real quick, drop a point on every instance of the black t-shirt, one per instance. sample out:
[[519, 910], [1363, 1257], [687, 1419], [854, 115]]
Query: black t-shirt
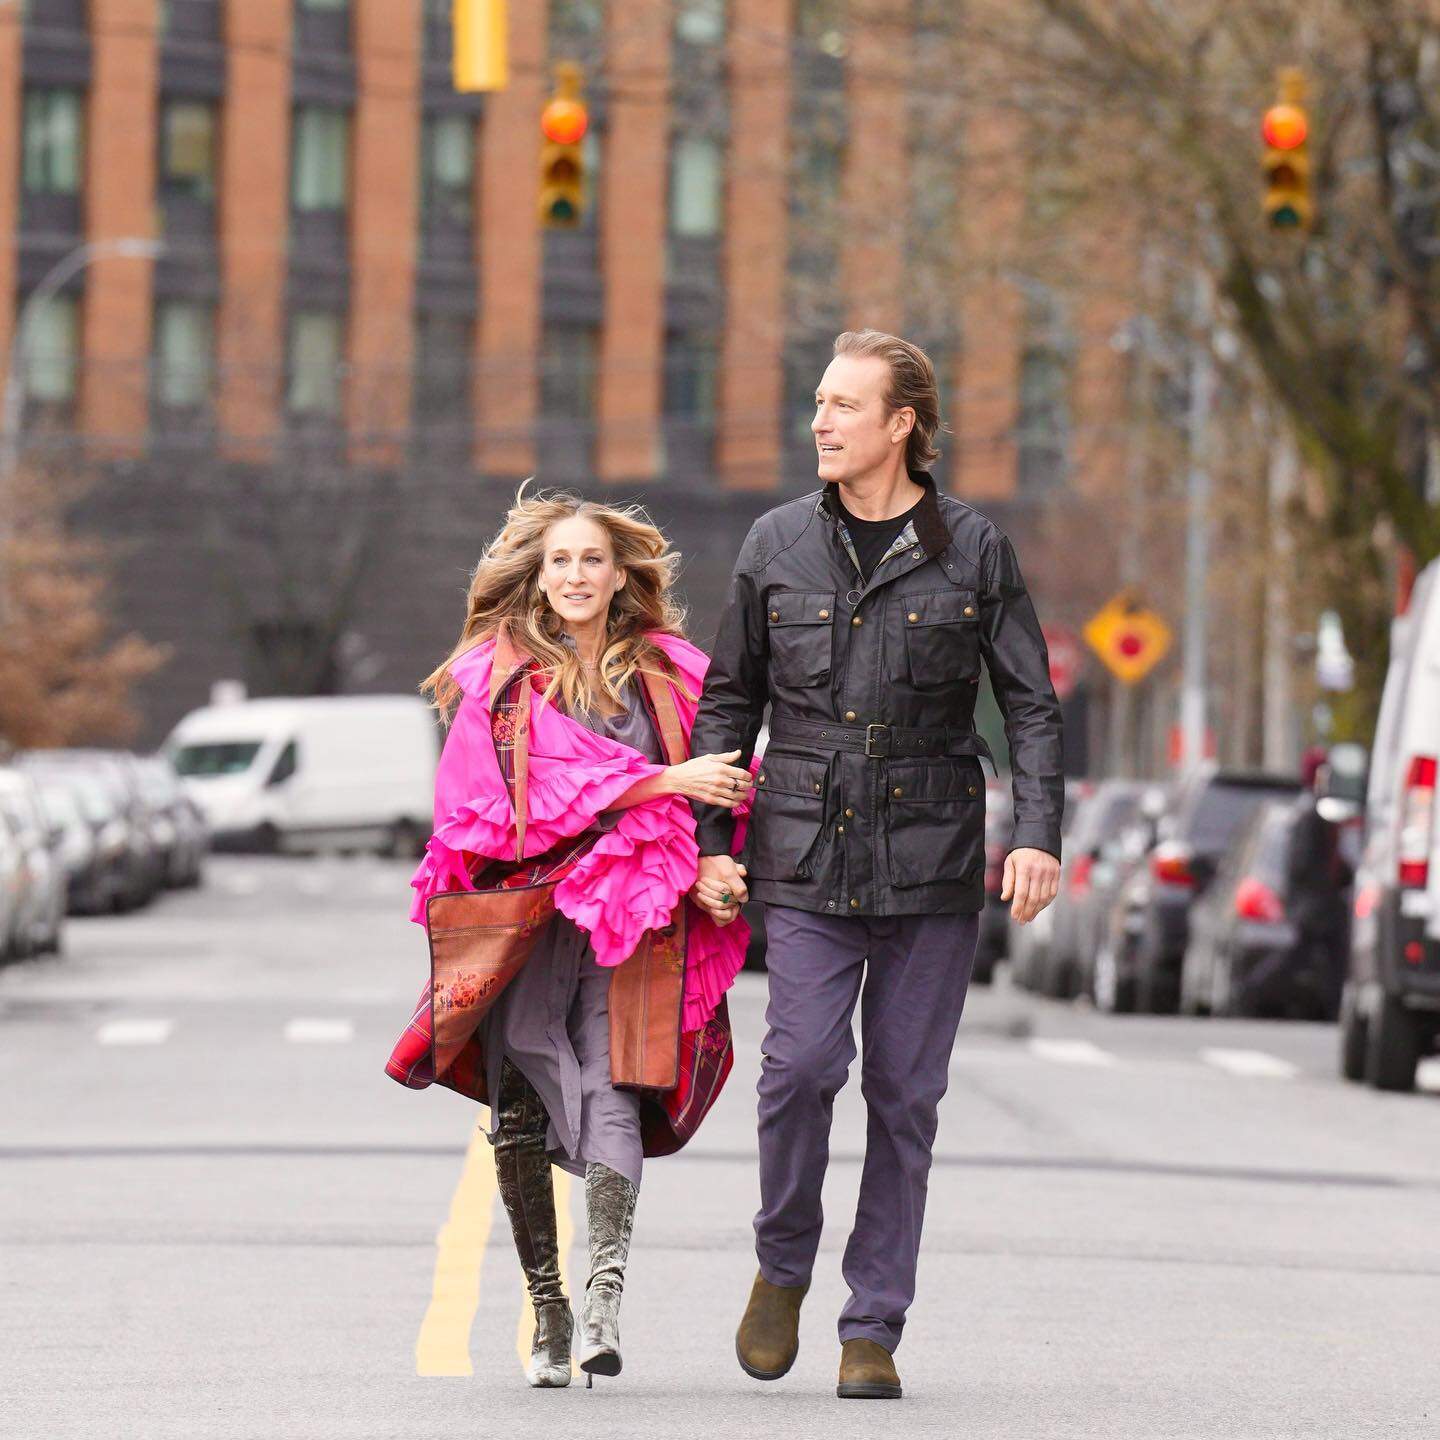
[[872, 538]]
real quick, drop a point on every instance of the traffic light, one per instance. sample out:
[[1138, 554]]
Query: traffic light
[[480, 29], [1285, 129], [563, 124]]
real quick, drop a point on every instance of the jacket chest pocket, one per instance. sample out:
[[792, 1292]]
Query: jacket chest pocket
[[942, 637], [788, 813], [935, 813], [801, 625]]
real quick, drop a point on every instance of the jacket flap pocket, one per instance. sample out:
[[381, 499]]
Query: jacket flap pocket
[[929, 782], [791, 775], [800, 607], [940, 607]]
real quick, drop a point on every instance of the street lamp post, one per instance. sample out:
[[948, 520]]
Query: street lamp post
[[12, 406]]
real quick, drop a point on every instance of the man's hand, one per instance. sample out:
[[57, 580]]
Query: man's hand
[[1032, 878], [719, 887]]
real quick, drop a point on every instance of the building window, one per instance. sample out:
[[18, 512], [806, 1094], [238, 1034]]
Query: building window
[[51, 347], [317, 340], [184, 355], [577, 19], [320, 169], [697, 180], [442, 406], [325, 5], [690, 377], [567, 380], [187, 149], [701, 22], [447, 171], [54, 142], [1043, 438]]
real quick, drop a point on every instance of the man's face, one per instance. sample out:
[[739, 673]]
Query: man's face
[[855, 434]]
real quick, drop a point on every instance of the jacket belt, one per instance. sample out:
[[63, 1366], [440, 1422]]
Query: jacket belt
[[879, 742]]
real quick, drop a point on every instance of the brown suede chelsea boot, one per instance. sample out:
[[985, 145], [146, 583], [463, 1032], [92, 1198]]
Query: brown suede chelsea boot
[[769, 1335], [867, 1372]]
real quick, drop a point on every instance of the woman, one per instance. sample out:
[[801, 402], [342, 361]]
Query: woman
[[571, 674]]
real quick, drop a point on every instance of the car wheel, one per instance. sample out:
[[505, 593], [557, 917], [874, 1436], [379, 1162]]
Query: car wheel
[[1352, 1036], [1392, 1052]]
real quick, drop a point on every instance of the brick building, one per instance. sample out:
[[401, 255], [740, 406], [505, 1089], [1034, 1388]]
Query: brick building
[[304, 406]]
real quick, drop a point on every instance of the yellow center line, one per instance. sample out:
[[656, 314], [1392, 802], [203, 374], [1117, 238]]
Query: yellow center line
[[565, 1233], [443, 1346]]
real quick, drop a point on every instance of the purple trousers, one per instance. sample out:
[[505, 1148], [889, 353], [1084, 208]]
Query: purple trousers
[[910, 974]]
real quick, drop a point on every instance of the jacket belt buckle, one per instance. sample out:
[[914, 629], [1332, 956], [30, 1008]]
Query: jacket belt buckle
[[870, 737]]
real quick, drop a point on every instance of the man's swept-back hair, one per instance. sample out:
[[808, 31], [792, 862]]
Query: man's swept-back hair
[[912, 383]]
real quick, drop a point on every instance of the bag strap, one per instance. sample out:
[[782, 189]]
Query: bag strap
[[667, 716]]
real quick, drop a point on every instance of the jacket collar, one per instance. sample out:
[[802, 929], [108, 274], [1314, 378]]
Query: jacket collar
[[931, 531]]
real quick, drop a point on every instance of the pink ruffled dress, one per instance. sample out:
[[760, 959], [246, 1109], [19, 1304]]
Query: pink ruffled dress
[[553, 1020]]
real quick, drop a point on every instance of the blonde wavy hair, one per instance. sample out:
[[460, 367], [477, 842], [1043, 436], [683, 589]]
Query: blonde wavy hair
[[505, 594]]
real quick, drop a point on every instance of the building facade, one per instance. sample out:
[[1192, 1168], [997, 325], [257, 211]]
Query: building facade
[[283, 295]]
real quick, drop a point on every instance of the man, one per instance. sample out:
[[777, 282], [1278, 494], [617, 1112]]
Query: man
[[861, 614]]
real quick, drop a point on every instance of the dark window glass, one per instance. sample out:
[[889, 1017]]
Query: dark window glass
[[284, 765], [320, 160], [442, 383], [54, 141], [567, 381], [447, 170], [184, 355], [188, 149], [1221, 810], [229, 758], [690, 376], [317, 339]]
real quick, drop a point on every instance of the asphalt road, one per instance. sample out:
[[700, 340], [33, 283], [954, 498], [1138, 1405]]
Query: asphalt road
[[219, 1218]]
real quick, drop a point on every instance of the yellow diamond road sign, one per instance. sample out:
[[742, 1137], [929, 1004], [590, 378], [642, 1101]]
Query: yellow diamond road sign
[[1130, 639]]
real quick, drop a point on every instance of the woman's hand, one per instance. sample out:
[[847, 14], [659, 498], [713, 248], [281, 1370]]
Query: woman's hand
[[713, 779], [719, 888]]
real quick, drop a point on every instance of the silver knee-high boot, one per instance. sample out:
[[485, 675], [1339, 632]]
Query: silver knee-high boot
[[610, 1214], [522, 1173]]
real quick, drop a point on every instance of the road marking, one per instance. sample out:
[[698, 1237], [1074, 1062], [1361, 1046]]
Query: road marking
[[1071, 1052], [319, 1032], [565, 1233], [135, 1032], [1255, 1064], [443, 1345]]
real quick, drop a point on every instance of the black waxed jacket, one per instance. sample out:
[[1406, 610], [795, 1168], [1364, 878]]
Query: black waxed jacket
[[845, 833]]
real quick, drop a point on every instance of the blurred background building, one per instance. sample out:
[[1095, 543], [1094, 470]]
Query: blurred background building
[[303, 407]]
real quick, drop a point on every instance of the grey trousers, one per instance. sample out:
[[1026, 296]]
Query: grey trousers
[[910, 974]]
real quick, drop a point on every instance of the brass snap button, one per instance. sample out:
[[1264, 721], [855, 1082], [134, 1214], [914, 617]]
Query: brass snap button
[[818, 787], [849, 813], [824, 614], [854, 904], [974, 790], [969, 609], [857, 621], [760, 778], [839, 829], [774, 614], [912, 617], [849, 714], [897, 792]]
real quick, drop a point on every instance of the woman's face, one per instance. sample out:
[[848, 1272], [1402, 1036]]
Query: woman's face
[[578, 572]]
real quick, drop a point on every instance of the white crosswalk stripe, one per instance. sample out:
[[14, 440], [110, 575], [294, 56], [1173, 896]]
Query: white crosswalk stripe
[[134, 1032], [1252, 1063], [1071, 1052], [320, 1032]]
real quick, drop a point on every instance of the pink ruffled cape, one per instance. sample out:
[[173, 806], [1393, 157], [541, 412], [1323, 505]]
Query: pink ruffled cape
[[632, 877]]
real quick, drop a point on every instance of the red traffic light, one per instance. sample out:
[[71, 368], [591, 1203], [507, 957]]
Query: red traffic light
[[1285, 127], [564, 122]]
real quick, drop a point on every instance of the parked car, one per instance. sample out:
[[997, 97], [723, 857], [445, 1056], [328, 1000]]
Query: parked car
[[1390, 1005], [1270, 935], [1209, 809], [40, 910], [95, 845], [178, 827], [1099, 817], [111, 781], [345, 771], [1115, 924], [1028, 945], [12, 886], [993, 943]]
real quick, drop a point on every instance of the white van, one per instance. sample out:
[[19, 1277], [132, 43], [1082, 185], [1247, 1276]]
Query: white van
[[344, 772], [1390, 1009]]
